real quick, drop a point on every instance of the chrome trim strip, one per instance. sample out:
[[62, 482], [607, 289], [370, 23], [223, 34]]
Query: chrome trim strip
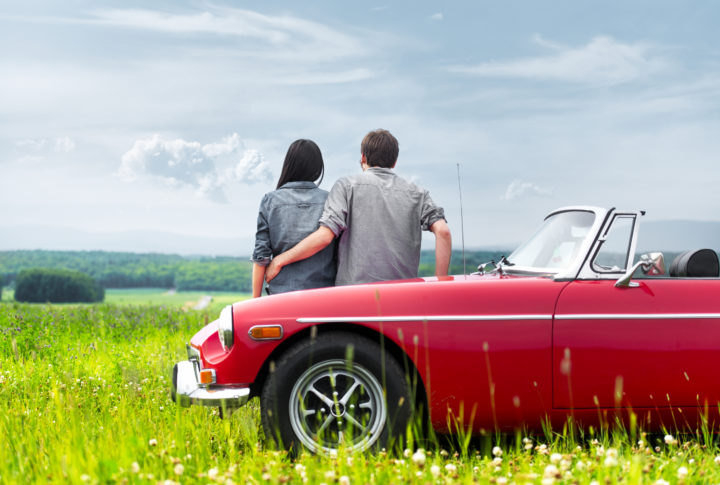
[[415, 318], [635, 316]]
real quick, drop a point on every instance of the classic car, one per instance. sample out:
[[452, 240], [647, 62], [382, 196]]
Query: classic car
[[570, 325]]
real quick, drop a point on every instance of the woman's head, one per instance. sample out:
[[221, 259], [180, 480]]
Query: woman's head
[[303, 162]]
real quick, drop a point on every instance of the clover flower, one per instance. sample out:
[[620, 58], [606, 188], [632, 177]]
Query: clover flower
[[419, 457]]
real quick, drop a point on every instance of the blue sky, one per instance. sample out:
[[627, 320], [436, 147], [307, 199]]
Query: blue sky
[[175, 116]]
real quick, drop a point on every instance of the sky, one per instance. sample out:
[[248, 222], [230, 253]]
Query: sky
[[174, 116]]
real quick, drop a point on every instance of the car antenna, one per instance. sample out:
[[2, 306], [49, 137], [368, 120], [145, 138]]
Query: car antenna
[[462, 226]]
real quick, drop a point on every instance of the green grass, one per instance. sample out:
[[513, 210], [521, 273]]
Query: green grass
[[161, 297], [84, 398], [164, 297], [8, 294]]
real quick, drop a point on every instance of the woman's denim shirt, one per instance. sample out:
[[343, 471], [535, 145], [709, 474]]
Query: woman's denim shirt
[[286, 216]]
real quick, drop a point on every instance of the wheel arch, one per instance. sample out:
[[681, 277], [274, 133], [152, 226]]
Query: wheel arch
[[417, 386]]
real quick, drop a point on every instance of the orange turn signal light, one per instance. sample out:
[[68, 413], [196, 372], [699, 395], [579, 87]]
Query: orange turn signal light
[[207, 376], [266, 332]]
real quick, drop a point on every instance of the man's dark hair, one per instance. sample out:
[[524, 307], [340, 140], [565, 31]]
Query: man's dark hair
[[380, 149], [303, 163]]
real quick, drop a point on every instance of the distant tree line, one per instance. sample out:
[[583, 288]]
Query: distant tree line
[[133, 270], [57, 286]]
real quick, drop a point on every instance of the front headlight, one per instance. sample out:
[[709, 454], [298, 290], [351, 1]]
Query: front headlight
[[225, 327]]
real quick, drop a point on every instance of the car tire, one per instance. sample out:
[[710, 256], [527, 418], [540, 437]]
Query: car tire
[[335, 390]]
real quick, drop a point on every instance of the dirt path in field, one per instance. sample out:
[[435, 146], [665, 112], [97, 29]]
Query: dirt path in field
[[203, 302]]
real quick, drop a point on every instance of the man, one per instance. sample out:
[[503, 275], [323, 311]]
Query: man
[[378, 217]]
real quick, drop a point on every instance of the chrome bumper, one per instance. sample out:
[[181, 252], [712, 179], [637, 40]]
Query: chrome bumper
[[186, 389]]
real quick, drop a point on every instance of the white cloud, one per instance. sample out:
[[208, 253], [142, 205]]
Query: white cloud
[[64, 144], [437, 16], [31, 144], [61, 144], [282, 33], [351, 75], [602, 61], [205, 168], [252, 168], [519, 188]]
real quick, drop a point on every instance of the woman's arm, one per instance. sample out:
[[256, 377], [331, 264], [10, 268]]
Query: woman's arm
[[258, 278]]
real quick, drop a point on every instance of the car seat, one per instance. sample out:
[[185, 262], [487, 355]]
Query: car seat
[[696, 263]]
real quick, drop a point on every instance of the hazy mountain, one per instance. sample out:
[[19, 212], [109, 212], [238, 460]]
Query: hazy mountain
[[69, 239], [677, 235]]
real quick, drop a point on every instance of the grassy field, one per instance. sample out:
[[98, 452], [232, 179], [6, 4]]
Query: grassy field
[[170, 298], [84, 399]]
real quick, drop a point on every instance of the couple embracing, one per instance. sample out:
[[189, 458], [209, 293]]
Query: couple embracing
[[368, 228]]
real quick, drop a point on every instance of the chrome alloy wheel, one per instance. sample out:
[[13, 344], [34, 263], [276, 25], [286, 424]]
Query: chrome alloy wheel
[[337, 403]]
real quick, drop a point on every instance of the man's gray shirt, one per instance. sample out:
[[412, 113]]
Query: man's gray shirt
[[379, 217]]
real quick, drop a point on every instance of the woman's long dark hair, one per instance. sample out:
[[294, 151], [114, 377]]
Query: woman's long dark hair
[[303, 162]]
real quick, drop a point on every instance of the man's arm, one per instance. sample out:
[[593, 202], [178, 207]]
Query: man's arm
[[313, 243], [443, 246], [258, 276]]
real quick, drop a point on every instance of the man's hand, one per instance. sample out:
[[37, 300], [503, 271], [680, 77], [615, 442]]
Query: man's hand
[[313, 243], [272, 269]]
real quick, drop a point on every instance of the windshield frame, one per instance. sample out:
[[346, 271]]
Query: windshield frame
[[571, 270]]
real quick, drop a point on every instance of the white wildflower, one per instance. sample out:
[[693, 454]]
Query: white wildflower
[[435, 470], [497, 461], [419, 457], [135, 467], [670, 440], [551, 471], [497, 451], [555, 458], [450, 468], [152, 442], [344, 480], [610, 461], [682, 473], [179, 469]]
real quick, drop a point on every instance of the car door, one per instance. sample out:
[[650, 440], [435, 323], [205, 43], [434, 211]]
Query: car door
[[652, 344]]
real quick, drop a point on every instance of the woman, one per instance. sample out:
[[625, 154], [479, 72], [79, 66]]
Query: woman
[[287, 215]]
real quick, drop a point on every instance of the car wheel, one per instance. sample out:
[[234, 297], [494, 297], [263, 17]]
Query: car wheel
[[338, 390]]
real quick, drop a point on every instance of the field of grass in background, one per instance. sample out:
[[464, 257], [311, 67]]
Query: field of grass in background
[[84, 398], [171, 298]]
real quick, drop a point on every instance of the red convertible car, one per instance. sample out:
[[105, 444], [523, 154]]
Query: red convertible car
[[571, 324]]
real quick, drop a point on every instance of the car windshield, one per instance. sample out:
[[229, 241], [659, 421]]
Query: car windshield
[[556, 245]]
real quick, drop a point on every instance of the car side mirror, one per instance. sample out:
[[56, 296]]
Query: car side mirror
[[650, 264], [486, 268]]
